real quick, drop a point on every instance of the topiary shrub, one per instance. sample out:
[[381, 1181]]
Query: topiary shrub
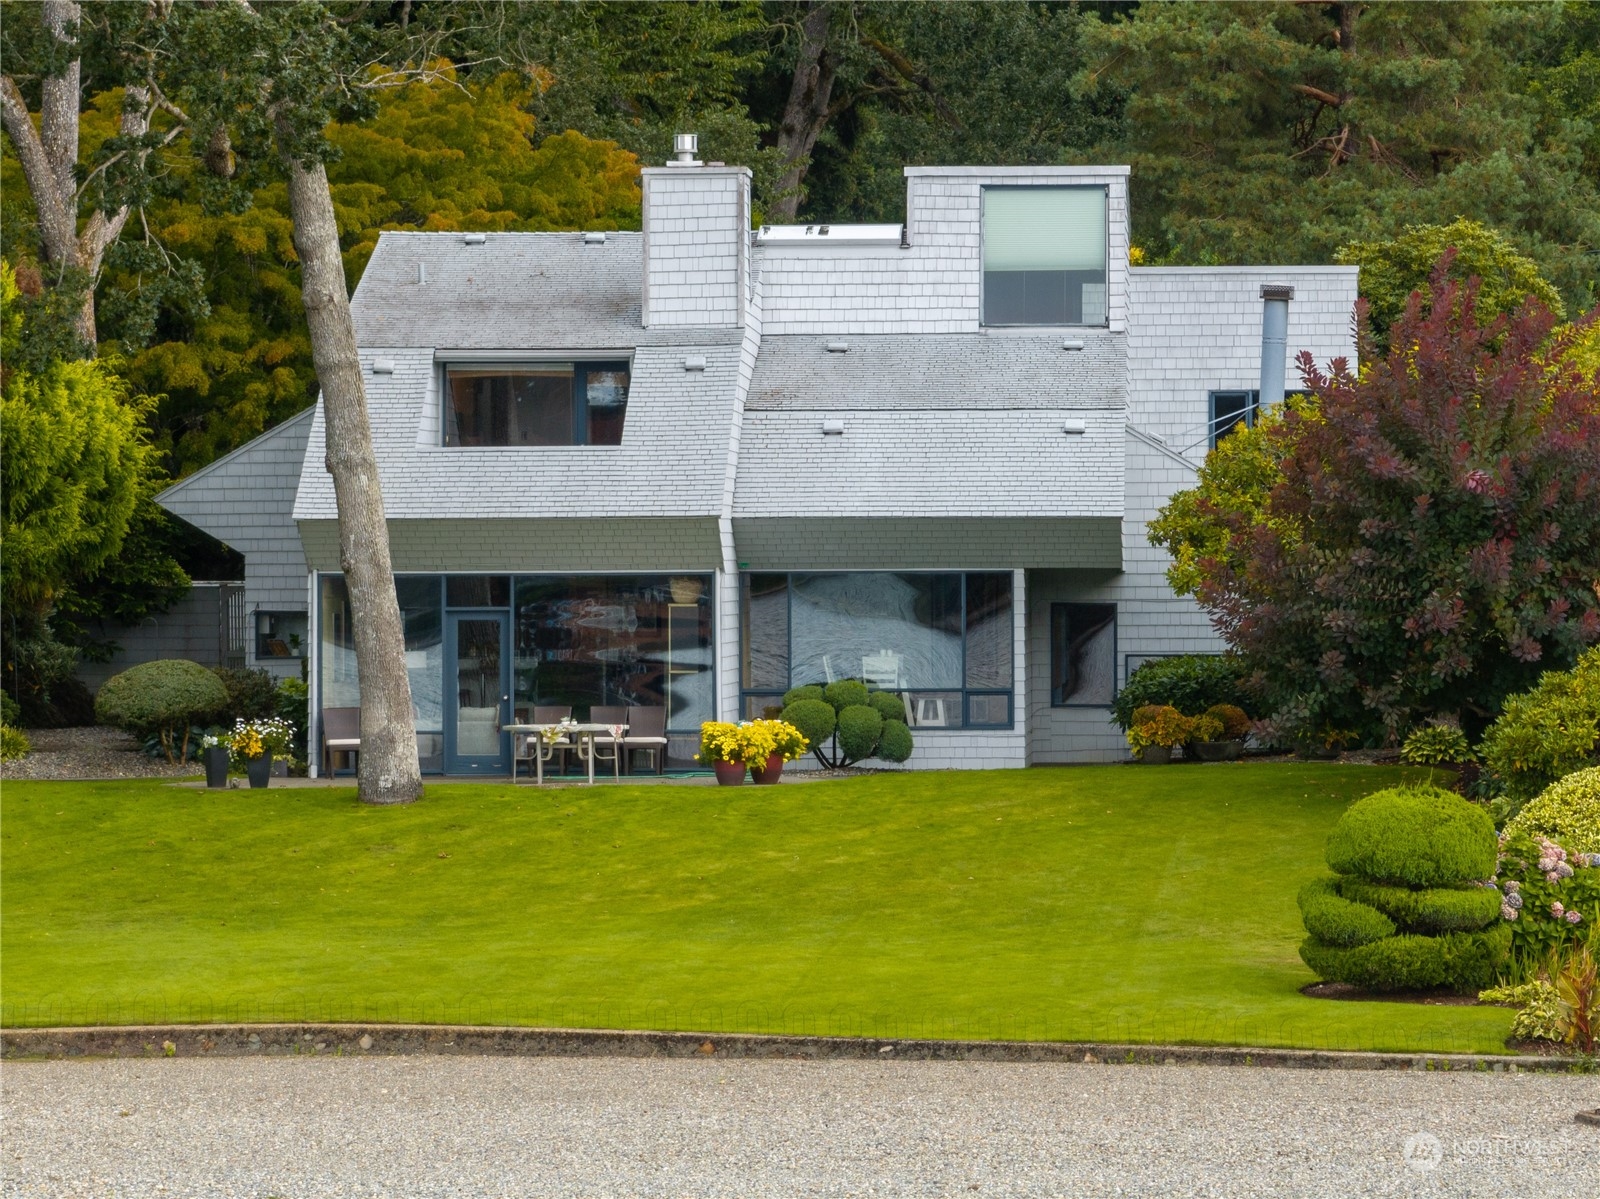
[[1547, 733], [162, 699], [1567, 811], [1191, 683], [14, 744], [1408, 860], [1416, 836], [846, 723]]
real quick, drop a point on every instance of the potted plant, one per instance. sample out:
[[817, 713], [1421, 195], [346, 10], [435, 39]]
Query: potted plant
[[780, 741], [1235, 728], [1155, 730], [216, 756], [256, 741], [1208, 740], [722, 748]]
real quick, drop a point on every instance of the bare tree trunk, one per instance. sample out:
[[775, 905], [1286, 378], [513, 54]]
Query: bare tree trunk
[[806, 112], [390, 772]]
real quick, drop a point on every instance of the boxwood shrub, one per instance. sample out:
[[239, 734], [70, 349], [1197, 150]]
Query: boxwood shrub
[[1464, 962], [1419, 836], [164, 699], [1429, 910], [846, 722], [1334, 920]]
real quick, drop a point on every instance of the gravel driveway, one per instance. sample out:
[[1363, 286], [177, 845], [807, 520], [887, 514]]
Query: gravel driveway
[[460, 1126]]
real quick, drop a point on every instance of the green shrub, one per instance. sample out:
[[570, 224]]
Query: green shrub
[[1191, 684], [164, 698], [895, 744], [888, 705], [1436, 744], [859, 730], [1420, 836], [1549, 732], [795, 694], [293, 703], [1464, 962], [1568, 811], [846, 693], [1431, 910], [1335, 920], [252, 694], [1542, 887], [10, 710], [815, 718], [1539, 1014], [14, 744]]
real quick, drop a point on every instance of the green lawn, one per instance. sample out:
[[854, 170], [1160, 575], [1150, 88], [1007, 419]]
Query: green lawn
[[1120, 903]]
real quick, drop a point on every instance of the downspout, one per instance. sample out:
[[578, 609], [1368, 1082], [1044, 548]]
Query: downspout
[[1274, 342]]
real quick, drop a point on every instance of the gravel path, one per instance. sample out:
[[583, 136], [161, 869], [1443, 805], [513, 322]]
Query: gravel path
[[460, 1126], [91, 753]]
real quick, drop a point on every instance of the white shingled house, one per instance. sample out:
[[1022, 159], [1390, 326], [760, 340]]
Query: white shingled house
[[691, 467]]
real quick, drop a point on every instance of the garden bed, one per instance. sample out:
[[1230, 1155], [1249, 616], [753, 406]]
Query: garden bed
[[90, 752]]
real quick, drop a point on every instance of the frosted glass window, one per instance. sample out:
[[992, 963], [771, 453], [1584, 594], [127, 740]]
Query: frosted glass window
[[1044, 256]]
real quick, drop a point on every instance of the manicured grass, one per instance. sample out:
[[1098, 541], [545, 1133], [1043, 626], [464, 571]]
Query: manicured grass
[[1128, 903]]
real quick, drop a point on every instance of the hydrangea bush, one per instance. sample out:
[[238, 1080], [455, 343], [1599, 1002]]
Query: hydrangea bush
[[1549, 896]]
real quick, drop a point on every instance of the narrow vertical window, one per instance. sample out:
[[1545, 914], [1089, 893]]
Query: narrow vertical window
[[1083, 655]]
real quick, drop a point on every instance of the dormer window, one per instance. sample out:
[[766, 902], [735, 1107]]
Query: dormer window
[[1044, 256], [535, 404]]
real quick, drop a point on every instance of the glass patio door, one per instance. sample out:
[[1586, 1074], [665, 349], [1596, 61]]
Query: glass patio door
[[478, 693]]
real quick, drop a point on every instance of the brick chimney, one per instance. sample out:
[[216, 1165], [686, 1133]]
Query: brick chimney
[[696, 241]]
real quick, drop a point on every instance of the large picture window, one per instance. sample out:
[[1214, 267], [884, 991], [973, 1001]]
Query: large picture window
[[536, 404], [1083, 655], [1044, 256], [942, 641]]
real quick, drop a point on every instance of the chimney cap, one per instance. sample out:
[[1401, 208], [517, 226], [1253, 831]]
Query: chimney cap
[[1277, 291], [684, 148]]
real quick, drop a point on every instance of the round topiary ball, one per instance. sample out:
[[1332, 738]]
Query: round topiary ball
[[813, 717], [894, 745], [888, 705], [1567, 811], [846, 693], [859, 730], [795, 694], [1419, 836], [170, 693]]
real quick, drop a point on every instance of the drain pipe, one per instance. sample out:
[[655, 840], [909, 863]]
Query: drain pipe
[[1274, 342]]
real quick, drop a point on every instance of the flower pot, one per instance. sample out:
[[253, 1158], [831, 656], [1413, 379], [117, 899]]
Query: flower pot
[[216, 758], [259, 770], [1214, 751], [729, 774], [769, 774], [1156, 755]]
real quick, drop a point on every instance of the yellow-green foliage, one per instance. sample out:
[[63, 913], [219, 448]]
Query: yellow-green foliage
[[14, 743], [1548, 732], [74, 460], [1567, 811]]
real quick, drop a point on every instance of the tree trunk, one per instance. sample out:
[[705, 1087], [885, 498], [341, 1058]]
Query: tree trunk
[[389, 771], [806, 112]]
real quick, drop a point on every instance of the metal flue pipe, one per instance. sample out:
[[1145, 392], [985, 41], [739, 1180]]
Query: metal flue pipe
[[1274, 341]]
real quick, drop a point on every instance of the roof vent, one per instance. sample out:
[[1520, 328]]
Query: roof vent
[[695, 362], [1072, 343], [594, 239], [474, 239], [684, 148], [383, 366], [1277, 291], [832, 426], [838, 347], [422, 272], [1076, 427]]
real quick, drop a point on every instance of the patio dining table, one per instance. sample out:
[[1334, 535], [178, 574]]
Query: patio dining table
[[584, 739]]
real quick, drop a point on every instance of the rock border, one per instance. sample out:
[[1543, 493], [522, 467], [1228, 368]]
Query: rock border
[[389, 1040]]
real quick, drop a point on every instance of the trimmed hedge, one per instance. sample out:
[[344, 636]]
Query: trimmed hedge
[[888, 705], [1420, 836], [1567, 811], [814, 717], [1434, 910], [859, 730], [795, 694], [845, 722], [162, 699], [1336, 921], [1464, 962], [846, 693], [895, 744], [1191, 683]]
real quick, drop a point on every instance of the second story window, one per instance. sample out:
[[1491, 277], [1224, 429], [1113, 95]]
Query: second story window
[[536, 404], [1044, 256]]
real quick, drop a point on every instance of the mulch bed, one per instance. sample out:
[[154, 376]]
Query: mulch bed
[[1439, 998], [90, 753]]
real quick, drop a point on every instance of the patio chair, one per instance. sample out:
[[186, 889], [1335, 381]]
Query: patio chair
[[341, 734], [611, 714], [647, 732], [881, 670], [524, 748]]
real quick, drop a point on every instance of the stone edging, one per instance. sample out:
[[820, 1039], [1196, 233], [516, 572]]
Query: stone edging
[[277, 1040]]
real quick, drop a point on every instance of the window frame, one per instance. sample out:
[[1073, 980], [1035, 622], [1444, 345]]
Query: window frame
[[1116, 614], [582, 364], [1252, 409], [261, 638], [983, 290]]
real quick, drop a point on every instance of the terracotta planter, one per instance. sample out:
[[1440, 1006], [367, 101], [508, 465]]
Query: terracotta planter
[[1156, 755], [769, 774], [729, 774], [1214, 751], [259, 770], [216, 758]]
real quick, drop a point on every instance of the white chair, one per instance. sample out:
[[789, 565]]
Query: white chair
[[927, 711], [882, 670], [478, 732]]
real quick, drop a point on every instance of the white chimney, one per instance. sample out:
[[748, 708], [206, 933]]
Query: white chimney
[[696, 241]]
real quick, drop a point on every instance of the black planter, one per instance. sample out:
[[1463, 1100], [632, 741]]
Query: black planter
[[216, 757], [259, 770]]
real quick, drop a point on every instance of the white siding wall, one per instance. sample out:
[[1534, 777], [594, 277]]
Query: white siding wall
[[696, 245]]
